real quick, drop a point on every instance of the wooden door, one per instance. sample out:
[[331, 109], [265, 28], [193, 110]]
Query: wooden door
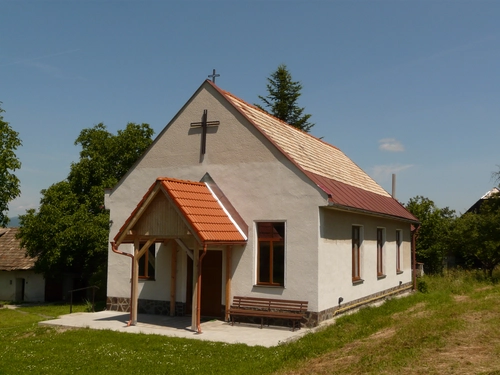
[[211, 285]]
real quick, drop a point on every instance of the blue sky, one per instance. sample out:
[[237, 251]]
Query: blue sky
[[406, 87]]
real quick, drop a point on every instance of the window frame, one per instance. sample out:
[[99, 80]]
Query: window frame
[[356, 241], [146, 266], [272, 241], [399, 242], [380, 252]]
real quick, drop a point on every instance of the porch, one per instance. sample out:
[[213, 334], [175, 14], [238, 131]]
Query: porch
[[213, 330]]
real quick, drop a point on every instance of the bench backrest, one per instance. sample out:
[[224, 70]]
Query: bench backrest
[[269, 304]]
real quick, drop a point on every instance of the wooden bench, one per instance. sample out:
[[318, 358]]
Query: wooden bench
[[268, 308]]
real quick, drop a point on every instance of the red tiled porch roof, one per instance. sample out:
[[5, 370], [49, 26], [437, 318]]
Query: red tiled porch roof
[[203, 213]]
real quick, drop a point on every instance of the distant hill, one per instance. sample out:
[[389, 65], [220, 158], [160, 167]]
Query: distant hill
[[14, 222]]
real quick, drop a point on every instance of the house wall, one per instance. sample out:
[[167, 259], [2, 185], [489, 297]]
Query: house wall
[[258, 180], [335, 256], [34, 287]]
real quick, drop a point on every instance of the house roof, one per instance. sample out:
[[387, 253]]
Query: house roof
[[12, 256], [346, 184], [489, 194], [203, 213]]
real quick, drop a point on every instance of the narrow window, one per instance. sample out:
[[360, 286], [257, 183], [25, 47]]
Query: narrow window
[[147, 263], [356, 243], [271, 254], [380, 252], [398, 251]]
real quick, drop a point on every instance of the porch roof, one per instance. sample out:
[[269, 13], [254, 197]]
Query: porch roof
[[193, 208]]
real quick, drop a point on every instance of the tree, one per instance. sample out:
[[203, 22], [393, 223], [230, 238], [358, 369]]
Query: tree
[[69, 232], [282, 99], [476, 236], [9, 183], [432, 244]]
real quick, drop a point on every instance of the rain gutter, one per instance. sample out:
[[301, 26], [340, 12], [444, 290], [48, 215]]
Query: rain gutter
[[115, 250]]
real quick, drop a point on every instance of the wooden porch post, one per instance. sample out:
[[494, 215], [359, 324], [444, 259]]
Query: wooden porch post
[[194, 308], [229, 250], [135, 283], [173, 278]]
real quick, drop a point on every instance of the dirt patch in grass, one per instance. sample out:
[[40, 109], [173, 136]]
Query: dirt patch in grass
[[460, 298], [416, 311], [469, 348], [488, 287], [473, 350]]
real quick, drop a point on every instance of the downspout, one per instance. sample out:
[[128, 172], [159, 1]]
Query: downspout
[[115, 250], [198, 293], [414, 254]]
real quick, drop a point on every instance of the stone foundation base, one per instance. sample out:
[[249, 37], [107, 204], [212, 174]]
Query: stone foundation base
[[312, 319], [118, 304], [145, 306]]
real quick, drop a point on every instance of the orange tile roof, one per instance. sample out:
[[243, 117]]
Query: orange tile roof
[[204, 213], [12, 256]]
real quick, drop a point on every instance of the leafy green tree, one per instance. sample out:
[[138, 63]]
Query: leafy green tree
[[476, 236], [69, 232], [9, 183], [432, 246], [282, 97]]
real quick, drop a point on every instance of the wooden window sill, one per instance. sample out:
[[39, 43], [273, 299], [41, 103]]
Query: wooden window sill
[[269, 286]]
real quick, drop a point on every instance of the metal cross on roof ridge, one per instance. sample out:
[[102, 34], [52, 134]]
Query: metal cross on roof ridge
[[204, 124], [213, 75]]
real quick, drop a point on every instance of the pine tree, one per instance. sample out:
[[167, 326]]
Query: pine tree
[[282, 99]]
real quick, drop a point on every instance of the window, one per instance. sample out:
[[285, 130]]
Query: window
[[380, 252], [147, 263], [271, 254], [398, 251], [356, 253]]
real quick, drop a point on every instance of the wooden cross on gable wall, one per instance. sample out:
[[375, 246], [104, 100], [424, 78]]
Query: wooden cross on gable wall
[[204, 124]]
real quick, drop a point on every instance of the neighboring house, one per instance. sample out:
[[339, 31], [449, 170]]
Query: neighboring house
[[475, 207], [266, 209], [18, 280]]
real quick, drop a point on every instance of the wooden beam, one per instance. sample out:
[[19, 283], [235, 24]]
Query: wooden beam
[[143, 249], [194, 308], [138, 214], [173, 278], [229, 250], [184, 247]]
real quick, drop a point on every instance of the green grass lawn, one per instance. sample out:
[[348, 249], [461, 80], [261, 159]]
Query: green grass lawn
[[392, 338]]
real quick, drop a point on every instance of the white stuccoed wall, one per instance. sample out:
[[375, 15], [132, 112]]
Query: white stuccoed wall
[[335, 256], [258, 180], [34, 290]]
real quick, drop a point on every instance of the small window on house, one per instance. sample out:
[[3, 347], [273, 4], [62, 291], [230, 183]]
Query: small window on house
[[380, 252], [398, 251], [147, 263], [356, 253], [271, 254]]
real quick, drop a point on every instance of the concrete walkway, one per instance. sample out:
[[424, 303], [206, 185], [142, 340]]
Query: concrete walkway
[[214, 330]]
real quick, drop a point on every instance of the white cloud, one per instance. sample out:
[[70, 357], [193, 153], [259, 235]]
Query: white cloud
[[384, 172], [391, 145]]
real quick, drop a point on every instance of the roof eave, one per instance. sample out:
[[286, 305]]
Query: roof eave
[[340, 207]]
